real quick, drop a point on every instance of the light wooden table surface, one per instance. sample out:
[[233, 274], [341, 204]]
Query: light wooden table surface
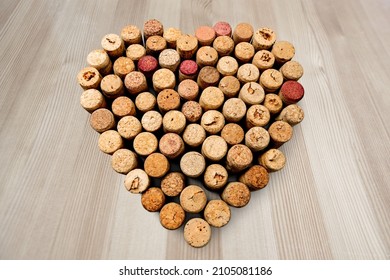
[[60, 199]]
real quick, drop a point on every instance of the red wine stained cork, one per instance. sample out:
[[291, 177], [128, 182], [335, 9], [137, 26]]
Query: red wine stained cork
[[193, 199], [214, 148], [147, 65], [153, 27], [92, 99], [135, 52], [248, 73], [168, 99], [227, 66], [292, 70], [232, 133], [252, 93], [123, 106], [208, 76], [283, 51], [280, 132], [89, 78], [244, 52], [212, 121], [145, 101], [169, 59], [230, 86], [135, 82], [273, 103], [188, 89], [192, 111], [263, 39], [163, 79], [151, 121], [156, 165], [197, 232], [153, 199], [131, 34], [123, 66], [234, 109], [145, 143], [173, 183], [137, 181], [110, 141], [272, 160], [206, 56], [171, 145], [215, 177], [194, 135], [255, 178], [257, 138], [217, 213], [236, 194], [174, 121], [100, 60], [188, 69], [211, 98], [172, 216], [224, 45], [292, 114], [263, 60], [238, 158], [222, 28], [123, 161], [113, 45], [257, 115], [112, 86], [155, 45], [271, 80], [186, 46], [171, 35], [102, 120], [205, 35], [291, 92], [192, 164], [242, 33], [129, 127]]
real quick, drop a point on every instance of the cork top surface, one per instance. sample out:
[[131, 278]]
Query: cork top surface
[[283, 50], [229, 85], [258, 115], [169, 57], [265, 37], [292, 91], [192, 164], [222, 28], [156, 165], [153, 27], [263, 59], [88, 76], [292, 70], [156, 43], [123, 65], [171, 34], [214, 147], [244, 51], [123, 106], [244, 31], [224, 45], [205, 34], [252, 93], [164, 78], [172, 216], [173, 183], [131, 34], [248, 73], [271, 79], [217, 213], [256, 177], [111, 42], [280, 131], [102, 120], [98, 59], [273, 159], [135, 52], [168, 99], [145, 143], [197, 232], [153, 199], [236, 194], [193, 199], [233, 133], [189, 67], [91, 99], [209, 74], [207, 55], [137, 181], [187, 42], [147, 64]]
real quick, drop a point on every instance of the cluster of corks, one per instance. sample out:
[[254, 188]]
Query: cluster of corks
[[218, 104]]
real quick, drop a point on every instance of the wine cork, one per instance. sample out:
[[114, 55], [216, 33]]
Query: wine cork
[[192, 164], [123, 161], [92, 99], [217, 213], [110, 141], [102, 120], [172, 216], [100, 60], [145, 143], [112, 86], [155, 45], [156, 165], [244, 52], [255, 177], [194, 135], [292, 70], [169, 59], [257, 138], [89, 78], [113, 45], [273, 103], [135, 82], [222, 28], [227, 66], [292, 114], [153, 199], [168, 99], [137, 181], [151, 121], [205, 35], [129, 127], [131, 34], [153, 27], [257, 115], [234, 109], [197, 232], [123, 66], [230, 86], [174, 121], [193, 199], [171, 145], [271, 80], [283, 51], [214, 148], [188, 69], [273, 160], [186, 46], [252, 93], [263, 60], [212, 121], [163, 79], [171, 35], [173, 183], [192, 111], [145, 101], [291, 92], [206, 56], [135, 52], [238, 158], [232, 133], [188, 89], [248, 73], [280, 132], [208, 76], [236, 194], [123, 106], [242, 33], [211, 98], [215, 177], [224, 45], [147, 65], [263, 38]]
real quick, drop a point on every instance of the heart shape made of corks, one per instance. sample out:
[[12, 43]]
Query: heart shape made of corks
[[214, 107]]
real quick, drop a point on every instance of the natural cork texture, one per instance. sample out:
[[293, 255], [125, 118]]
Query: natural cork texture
[[110, 141], [273, 103], [222, 28], [145, 143], [255, 178], [291, 92], [151, 121], [92, 99], [123, 106], [280, 132], [102, 120], [123, 161], [272, 160], [174, 121], [206, 56], [194, 135], [233, 133], [137, 181], [257, 138], [230, 86], [192, 164], [242, 33], [208, 76], [244, 52], [171, 145], [234, 109], [238, 158], [271, 80], [211, 98], [113, 45], [215, 177], [224, 45], [227, 66], [129, 127], [248, 73], [131, 34], [197, 232], [292, 114], [292, 70], [283, 51], [153, 199], [205, 35], [236, 194], [153, 27], [156, 165], [168, 99], [163, 79], [188, 69], [257, 115], [217, 213], [188, 89], [214, 148], [135, 52], [263, 38], [172, 216], [171, 35], [89, 78], [155, 45], [252, 93], [123, 66], [263, 60], [135, 82], [169, 59], [212, 121], [100, 60], [186, 46], [145, 101], [192, 111], [112, 86], [173, 183], [147, 65], [193, 199]]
